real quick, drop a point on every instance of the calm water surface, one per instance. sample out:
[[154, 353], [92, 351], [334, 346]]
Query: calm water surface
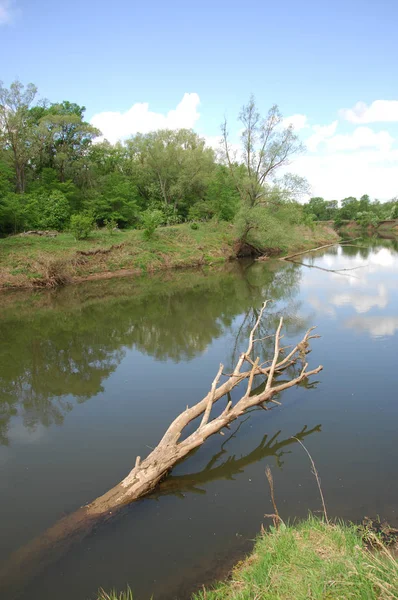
[[90, 377]]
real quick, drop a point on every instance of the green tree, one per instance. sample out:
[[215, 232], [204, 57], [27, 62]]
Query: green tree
[[174, 165], [15, 126], [266, 147], [63, 140], [349, 208]]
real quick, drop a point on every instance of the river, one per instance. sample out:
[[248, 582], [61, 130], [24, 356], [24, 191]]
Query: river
[[91, 375]]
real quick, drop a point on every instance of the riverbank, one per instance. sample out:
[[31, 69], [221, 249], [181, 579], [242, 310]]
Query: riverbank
[[37, 262], [310, 559]]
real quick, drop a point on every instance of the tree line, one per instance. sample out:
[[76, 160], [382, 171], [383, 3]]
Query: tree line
[[363, 210], [55, 171]]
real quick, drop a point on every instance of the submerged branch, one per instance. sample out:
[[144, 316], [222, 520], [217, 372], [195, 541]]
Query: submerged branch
[[172, 448]]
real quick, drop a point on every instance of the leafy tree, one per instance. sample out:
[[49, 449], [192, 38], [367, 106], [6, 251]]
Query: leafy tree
[[266, 147], [175, 164], [15, 130], [81, 226], [349, 208], [222, 197]]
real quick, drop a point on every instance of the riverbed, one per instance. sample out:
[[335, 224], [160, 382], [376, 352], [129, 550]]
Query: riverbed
[[91, 375]]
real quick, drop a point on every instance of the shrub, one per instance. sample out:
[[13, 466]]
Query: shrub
[[194, 226], [366, 219], [111, 225], [150, 220], [53, 210], [81, 226]]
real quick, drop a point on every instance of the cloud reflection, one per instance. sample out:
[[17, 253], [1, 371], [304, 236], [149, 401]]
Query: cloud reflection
[[376, 326]]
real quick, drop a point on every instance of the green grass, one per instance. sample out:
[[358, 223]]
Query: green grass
[[36, 261], [127, 595], [311, 560], [308, 560]]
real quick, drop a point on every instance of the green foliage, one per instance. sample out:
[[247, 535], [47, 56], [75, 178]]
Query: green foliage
[[111, 225], [201, 211], [323, 210], [52, 210], [81, 226], [364, 211], [16, 213], [394, 211], [222, 197], [48, 158], [194, 226], [150, 220], [367, 219], [311, 560]]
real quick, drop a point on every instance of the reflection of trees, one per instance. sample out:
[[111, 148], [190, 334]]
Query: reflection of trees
[[231, 465], [69, 342], [363, 247], [279, 282]]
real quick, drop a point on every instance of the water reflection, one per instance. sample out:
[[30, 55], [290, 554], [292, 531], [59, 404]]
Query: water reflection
[[361, 278], [59, 348], [179, 485]]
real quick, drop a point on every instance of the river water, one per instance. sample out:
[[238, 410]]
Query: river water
[[91, 375]]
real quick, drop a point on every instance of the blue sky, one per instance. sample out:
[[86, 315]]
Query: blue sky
[[313, 59]]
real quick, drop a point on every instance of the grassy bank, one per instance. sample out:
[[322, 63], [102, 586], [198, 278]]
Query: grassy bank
[[311, 560], [30, 261], [308, 560]]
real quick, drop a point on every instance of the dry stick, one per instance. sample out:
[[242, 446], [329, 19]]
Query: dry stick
[[315, 472], [206, 414], [276, 517], [315, 249], [306, 251], [276, 354]]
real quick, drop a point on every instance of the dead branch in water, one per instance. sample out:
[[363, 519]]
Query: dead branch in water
[[289, 256], [147, 473]]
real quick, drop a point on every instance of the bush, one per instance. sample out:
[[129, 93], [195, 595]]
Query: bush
[[53, 210], [150, 220], [194, 226], [367, 219], [81, 226], [111, 225]]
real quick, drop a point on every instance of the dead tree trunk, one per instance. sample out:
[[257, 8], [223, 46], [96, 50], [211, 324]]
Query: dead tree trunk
[[146, 474]]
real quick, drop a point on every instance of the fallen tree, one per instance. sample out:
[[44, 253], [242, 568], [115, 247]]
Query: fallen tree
[[172, 448]]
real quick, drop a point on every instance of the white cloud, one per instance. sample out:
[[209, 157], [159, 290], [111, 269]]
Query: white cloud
[[297, 121], [380, 111], [6, 12], [321, 133], [336, 175], [361, 137], [116, 125]]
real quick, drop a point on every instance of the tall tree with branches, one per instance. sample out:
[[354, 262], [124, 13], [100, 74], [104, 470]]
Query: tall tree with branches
[[266, 148], [15, 130]]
